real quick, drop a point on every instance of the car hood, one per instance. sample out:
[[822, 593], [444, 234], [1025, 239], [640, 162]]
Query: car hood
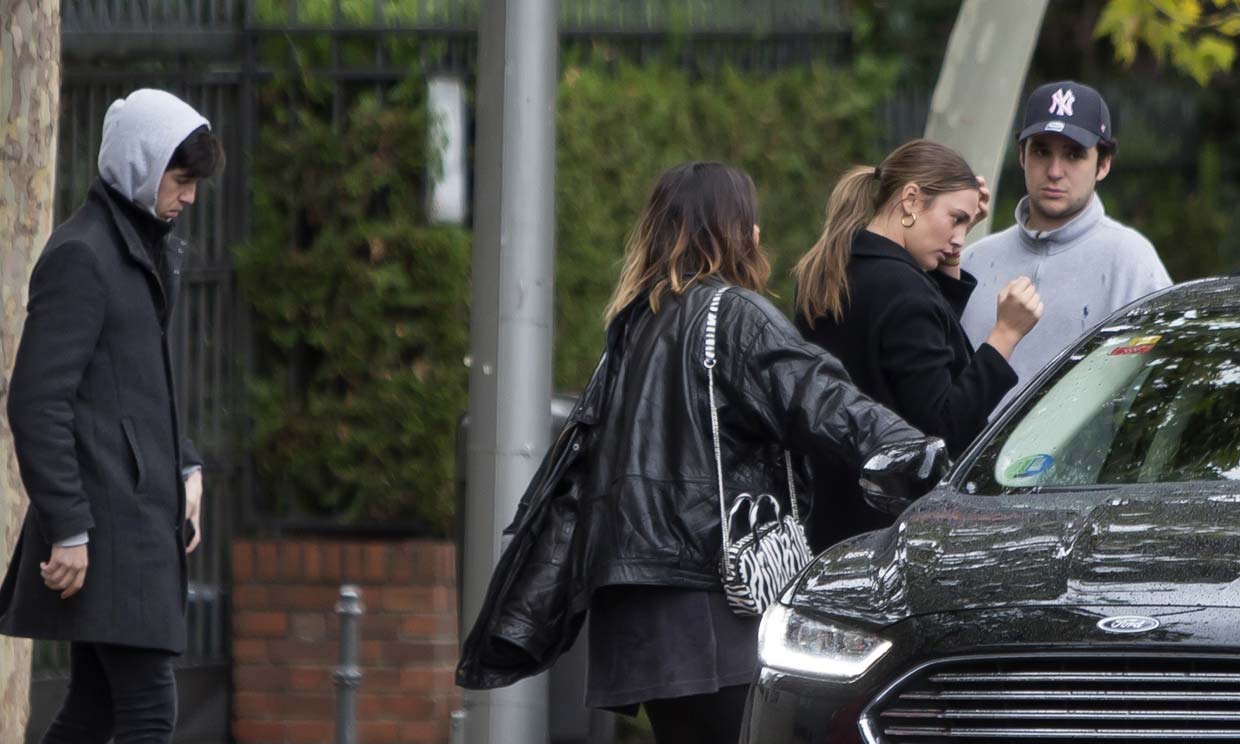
[[953, 552]]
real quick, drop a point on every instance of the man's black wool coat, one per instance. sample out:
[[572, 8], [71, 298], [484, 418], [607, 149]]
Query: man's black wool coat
[[94, 423]]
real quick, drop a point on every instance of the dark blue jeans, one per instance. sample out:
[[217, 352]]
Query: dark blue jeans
[[116, 692]]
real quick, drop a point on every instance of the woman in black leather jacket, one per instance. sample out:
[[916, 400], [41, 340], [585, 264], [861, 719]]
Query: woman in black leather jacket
[[623, 518]]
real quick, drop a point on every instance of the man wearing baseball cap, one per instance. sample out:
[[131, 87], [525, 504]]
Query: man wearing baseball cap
[[1084, 263]]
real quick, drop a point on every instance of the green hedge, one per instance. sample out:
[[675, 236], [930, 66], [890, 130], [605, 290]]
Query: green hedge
[[360, 316], [794, 131], [361, 309]]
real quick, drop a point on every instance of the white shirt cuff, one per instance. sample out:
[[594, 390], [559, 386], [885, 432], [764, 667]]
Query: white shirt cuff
[[73, 542]]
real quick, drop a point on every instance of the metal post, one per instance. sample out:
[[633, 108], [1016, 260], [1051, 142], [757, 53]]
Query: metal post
[[348, 675], [510, 327]]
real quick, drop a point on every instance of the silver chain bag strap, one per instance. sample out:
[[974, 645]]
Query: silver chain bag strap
[[757, 567]]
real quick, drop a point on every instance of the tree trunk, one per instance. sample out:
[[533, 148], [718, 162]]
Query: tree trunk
[[982, 82], [29, 104]]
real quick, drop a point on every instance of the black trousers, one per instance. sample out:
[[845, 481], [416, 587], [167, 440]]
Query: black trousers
[[116, 692], [714, 718]]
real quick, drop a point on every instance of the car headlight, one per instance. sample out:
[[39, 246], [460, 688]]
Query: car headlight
[[795, 643]]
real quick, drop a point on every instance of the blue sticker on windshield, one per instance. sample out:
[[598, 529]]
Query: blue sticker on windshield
[[1027, 467]]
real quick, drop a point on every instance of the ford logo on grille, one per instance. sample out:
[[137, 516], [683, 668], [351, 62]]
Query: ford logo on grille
[[1128, 624]]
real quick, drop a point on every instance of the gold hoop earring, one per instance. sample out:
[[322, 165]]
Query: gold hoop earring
[[908, 220]]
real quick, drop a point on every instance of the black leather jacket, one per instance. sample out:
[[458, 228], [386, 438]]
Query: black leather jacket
[[629, 493]]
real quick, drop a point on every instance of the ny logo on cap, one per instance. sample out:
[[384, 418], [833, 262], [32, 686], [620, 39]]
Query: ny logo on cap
[[1061, 103]]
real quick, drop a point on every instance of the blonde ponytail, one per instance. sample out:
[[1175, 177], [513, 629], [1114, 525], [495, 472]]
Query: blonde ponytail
[[822, 279], [822, 284]]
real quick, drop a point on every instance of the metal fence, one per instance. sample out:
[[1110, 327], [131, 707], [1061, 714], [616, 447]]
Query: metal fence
[[601, 17]]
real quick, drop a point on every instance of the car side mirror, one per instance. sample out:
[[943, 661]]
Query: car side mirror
[[900, 473]]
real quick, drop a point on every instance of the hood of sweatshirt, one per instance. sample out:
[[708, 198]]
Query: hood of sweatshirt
[[140, 133]]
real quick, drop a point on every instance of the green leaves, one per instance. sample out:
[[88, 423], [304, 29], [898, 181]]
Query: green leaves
[[360, 313], [620, 125], [1197, 37]]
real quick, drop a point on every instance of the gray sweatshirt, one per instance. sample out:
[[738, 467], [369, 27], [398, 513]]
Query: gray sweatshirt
[[1084, 271]]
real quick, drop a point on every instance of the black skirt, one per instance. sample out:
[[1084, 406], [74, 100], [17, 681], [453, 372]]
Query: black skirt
[[655, 642]]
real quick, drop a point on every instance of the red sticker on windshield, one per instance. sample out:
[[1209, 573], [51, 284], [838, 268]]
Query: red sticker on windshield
[[1138, 345]]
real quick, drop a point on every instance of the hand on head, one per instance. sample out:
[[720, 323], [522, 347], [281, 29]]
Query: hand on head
[[983, 203], [983, 211]]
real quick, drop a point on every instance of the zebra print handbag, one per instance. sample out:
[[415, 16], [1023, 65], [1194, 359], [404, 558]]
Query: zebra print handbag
[[756, 567]]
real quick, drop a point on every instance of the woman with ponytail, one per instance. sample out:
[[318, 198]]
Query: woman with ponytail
[[882, 290]]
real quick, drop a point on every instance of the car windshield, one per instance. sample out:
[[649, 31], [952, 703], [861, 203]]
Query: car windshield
[[1154, 401]]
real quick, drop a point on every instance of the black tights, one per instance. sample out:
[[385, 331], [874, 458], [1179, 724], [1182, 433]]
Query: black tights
[[714, 718], [120, 691]]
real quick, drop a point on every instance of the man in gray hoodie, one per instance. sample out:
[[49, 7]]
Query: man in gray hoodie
[[114, 490], [1085, 264]]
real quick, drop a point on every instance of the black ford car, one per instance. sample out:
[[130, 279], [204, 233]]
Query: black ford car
[[1075, 578]]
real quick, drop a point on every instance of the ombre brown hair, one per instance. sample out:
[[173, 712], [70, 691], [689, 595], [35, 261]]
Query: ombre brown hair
[[698, 223], [822, 281]]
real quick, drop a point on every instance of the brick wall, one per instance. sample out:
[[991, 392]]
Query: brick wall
[[285, 639]]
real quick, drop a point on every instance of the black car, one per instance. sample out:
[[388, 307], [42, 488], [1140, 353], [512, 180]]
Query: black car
[[1075, 578]]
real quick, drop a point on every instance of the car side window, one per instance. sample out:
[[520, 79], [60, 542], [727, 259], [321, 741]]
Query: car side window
[[1146, 403]]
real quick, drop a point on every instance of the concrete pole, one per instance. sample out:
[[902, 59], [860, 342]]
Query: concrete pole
[[981, 84], [511, 321]]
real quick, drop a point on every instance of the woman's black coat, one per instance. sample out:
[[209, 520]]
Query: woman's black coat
[[95, 428], [900, 340]]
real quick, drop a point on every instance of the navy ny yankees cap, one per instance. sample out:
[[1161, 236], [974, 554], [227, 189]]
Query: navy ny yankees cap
[[1069, 108]]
